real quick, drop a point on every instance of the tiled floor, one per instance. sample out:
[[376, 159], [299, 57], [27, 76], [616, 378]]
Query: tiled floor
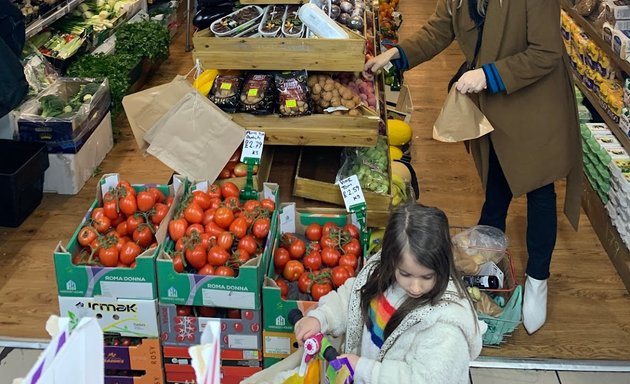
[[16, 363]]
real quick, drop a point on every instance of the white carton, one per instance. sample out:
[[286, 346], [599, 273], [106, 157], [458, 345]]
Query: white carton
[[598, 128], [126, 317], [68, 172], [617, 10], [621, 43]]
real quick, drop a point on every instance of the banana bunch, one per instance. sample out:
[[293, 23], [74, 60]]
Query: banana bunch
[[399, 190], [376, 240], [204, 82]]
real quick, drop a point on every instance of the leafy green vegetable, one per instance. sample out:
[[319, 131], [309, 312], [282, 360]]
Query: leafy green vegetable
[[85, 94], [52, 105], [146, 39]]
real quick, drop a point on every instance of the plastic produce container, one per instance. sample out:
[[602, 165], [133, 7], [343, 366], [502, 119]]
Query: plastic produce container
[[22, 167]]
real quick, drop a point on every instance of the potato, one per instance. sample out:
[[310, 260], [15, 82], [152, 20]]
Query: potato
[[337, 113], [354, 112], [312, 80], [316, 98], [317, 89], [335, 102], [329, 86], [327, 96], [356, 99]]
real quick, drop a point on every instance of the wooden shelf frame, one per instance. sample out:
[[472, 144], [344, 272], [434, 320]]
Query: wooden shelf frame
[[596, 36]]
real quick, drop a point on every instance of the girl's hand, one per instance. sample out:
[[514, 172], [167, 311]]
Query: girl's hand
[[352, 359], [305, 328], [472, 81], [378, 62]]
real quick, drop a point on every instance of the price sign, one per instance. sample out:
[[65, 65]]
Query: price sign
[[253, 145], [351, 192]]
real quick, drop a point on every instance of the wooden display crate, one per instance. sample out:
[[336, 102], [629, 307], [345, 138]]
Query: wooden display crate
[[315, 179], [315, 129], [340, 55], [261, 177]]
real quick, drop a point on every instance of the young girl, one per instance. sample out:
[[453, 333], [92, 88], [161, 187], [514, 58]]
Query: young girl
[[406, 317]]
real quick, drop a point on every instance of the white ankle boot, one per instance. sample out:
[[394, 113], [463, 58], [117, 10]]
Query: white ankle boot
[[534, 304]]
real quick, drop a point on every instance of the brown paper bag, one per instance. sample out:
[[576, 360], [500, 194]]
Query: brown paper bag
[[145, 108], [195, 138], [460, 120]]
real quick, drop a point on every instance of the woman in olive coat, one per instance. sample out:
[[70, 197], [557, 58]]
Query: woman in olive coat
[[520, 79]]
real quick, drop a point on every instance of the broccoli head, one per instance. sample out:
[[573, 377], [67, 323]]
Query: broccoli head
[[85, 94], [52, 106]]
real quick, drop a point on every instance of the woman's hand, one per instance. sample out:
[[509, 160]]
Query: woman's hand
[[378, 62], [472, 81], [305, 328], [352, 359]]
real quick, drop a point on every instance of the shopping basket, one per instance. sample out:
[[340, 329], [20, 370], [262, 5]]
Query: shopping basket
[[502, 326]]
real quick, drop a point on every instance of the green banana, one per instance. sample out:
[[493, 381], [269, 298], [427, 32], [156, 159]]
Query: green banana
[[399, 182]]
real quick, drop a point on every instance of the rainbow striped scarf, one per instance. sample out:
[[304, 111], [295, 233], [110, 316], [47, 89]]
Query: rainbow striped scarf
[[380, 312]]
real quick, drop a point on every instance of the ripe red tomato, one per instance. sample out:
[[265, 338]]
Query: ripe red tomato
[[292, 270], [201, 199], [241, 256], [281, 257], [224, 174], [206, 270], [97, 212], [239, 227], [314, 232], [305, 281], [213, 229], [232, 202], [248, 243], [122, 229], [159, 212], [312, 261], [178, 263], [268, 204], [126, 186], [225, 240], [353, 247], [230, 189], [128, 205], [196, 256], [110, 208], [339, 276], [330, 256], [133, 222], [349, 260], [177, 228], [224, 271], [86, 236], [193, 213], [121, 217], [251, 205], [297, 249], [208, 216], [260, 228], [129, 252], [157, 194], [102, 224], [352, 230], [184, 310], [143, 236], [214, 191], [240, 170], [198, 228], [284, 287], [108, 256], [318, 290], [328, 227], [223, 216], [328, 242], [217, 256], [145, 201]]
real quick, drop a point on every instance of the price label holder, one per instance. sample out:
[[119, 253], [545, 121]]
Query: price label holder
[[355, 203], [250, 155]]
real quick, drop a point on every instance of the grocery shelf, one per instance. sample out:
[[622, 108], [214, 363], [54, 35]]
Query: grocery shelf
[[40, 24], [606, 232], [614, 127], [595, 36]]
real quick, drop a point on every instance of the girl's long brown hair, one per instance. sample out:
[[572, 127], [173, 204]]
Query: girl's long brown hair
[[423, 233]]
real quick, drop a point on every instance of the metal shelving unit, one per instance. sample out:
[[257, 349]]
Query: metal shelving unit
[[40, 24]]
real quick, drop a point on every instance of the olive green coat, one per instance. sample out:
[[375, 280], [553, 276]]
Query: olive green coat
[[536, 136]]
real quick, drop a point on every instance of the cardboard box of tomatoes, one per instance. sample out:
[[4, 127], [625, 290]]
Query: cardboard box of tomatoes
[[112, 253], [183, 325], [133, 360], [216, 249], [315, 251]]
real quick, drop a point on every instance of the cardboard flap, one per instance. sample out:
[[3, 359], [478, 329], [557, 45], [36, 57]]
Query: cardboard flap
[[195, 138]]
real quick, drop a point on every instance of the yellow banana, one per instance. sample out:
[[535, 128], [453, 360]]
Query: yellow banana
[[399, 182], [376, 240], [204, 89]]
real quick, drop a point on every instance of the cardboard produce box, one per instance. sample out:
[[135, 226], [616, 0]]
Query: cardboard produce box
[[124, 317], [278, 345], [240, 292], [64, 134], [68, 172], [178, 355], [242, 333], [93, 281], [145, 359], [276, 309]]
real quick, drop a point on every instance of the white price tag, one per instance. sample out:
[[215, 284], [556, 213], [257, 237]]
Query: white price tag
[[351, 191], [253, 145]]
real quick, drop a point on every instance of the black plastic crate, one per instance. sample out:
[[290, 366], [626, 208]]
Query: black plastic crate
[[22, 167]]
